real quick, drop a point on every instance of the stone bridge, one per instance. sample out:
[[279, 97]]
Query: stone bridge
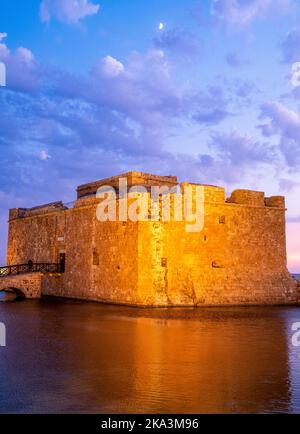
[[24, 285]]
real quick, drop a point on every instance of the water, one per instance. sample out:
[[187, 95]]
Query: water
[[7, 296], [65, 357]]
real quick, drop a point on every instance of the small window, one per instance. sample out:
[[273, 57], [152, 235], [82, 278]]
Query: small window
[[164, 262], [62, 262], [217, 264], [222, 220], [95, 258]]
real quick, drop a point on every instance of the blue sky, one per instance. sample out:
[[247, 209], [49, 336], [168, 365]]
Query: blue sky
[[95, 88]]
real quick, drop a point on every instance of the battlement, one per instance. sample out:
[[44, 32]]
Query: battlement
[[86, 194], [133, 178], [256, 198], [16, 213]]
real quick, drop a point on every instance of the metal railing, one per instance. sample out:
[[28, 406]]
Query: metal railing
[[13, 270]]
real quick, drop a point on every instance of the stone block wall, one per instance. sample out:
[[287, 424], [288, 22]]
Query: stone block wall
[[239, 257], [26, 285]]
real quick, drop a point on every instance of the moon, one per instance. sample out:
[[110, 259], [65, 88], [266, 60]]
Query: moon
[[161, 26]]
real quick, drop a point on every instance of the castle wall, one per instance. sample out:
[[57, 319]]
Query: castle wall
[[115, 279], [239, 257], [100, 256]]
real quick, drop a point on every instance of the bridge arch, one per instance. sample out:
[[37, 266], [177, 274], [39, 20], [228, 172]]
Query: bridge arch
[[20, 294], [23, 285]]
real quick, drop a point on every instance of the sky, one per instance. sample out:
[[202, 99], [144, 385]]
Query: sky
[[203, 89]]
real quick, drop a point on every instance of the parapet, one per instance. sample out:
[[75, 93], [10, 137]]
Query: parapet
[[86, 194], [212, 193], [275, 201], [256, 198], [16, 213], [133, 178], [247, 197]]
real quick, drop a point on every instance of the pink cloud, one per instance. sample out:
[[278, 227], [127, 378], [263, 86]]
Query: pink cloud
[[23, 72], [70, 11]]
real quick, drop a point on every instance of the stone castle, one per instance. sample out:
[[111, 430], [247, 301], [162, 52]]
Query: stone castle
[[238, 258]]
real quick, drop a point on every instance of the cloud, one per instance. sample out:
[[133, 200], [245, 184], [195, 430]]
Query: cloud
[[211, 106], [2, 36], [141, 89], [23, 72], [109, 66], [69, 11], [287, 185], [241, 13], [291, 46], [44, 156], [245, 88], [108, 120], [235, 60], [211, 116], [178, 41], [283, 123], [116, 118], [241, 149]]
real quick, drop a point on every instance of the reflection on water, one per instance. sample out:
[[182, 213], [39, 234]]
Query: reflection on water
[[80, 357], [7, 296]]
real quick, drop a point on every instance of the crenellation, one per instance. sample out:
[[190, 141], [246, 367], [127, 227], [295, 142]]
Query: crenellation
[[132, 178], [247, 197], [275, 201], [16, 213]]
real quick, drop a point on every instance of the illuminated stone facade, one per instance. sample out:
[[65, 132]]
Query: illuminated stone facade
[[238, 258]]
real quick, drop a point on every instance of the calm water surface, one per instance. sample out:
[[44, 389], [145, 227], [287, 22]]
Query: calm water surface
[[66, 356]]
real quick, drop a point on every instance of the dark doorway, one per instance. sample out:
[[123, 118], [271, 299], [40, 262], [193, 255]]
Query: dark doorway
[[62, 262]]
